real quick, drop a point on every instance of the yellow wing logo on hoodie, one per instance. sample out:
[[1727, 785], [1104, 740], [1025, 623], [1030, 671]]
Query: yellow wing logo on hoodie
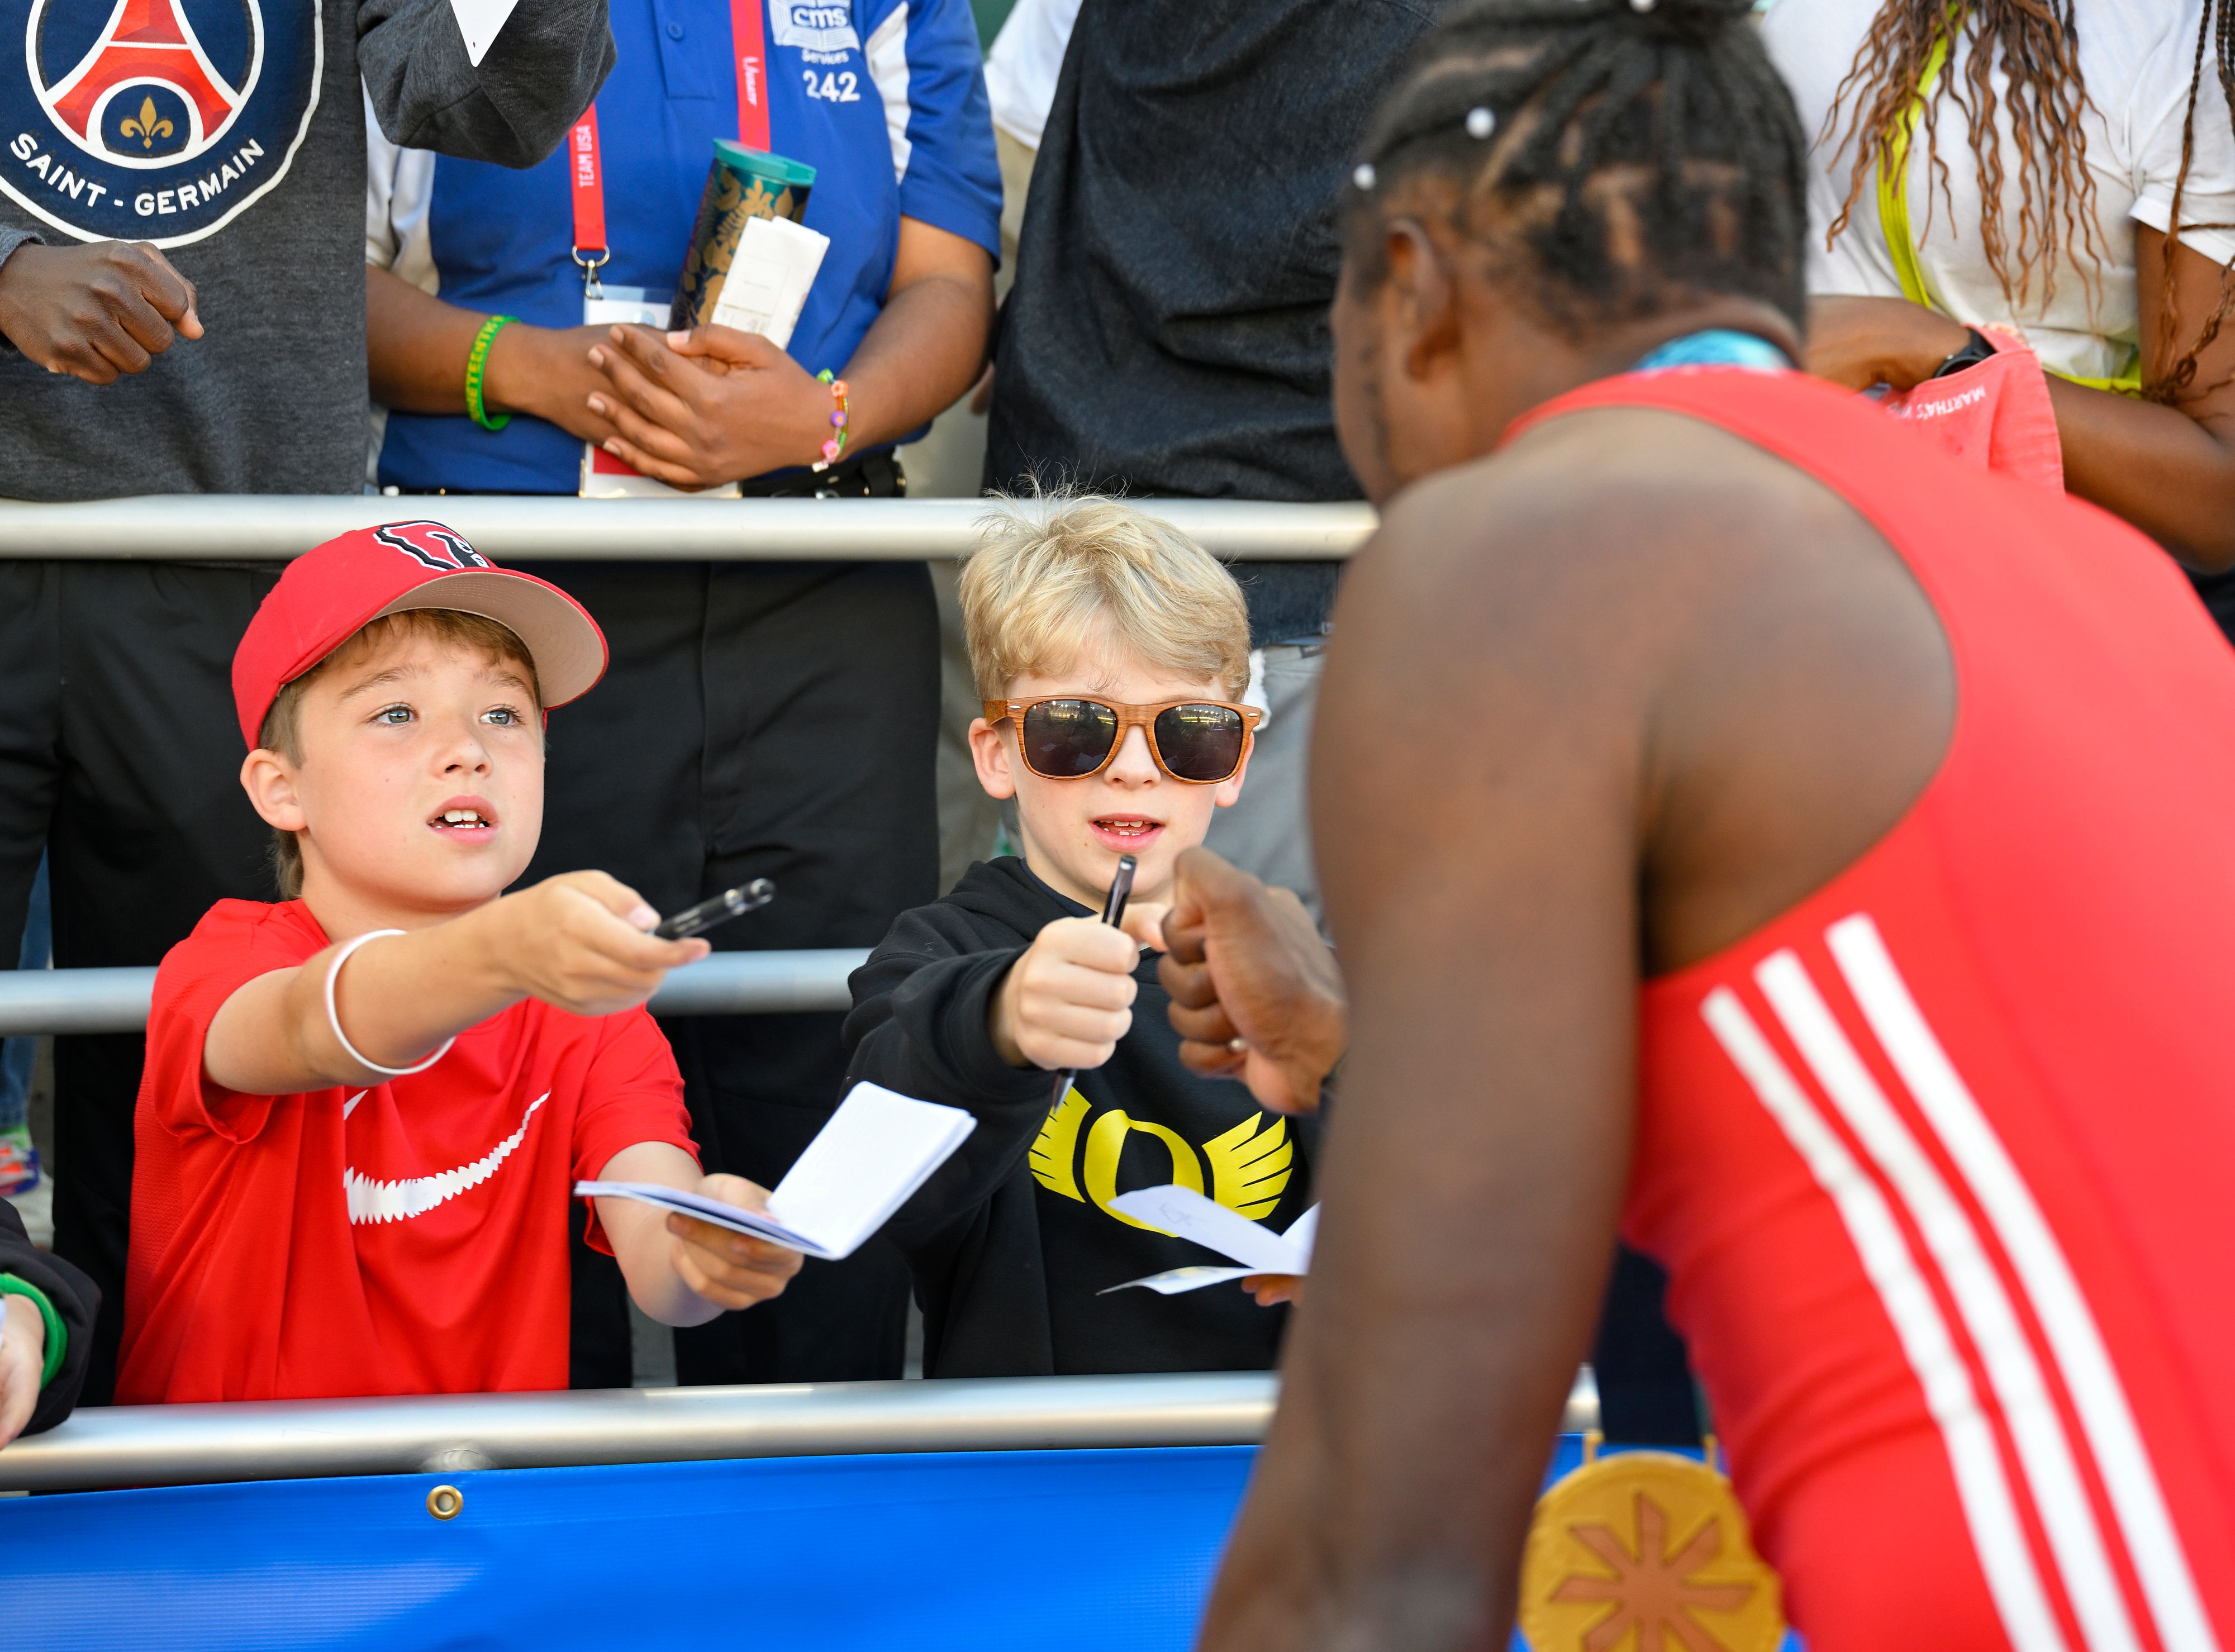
[[1249, 1164]]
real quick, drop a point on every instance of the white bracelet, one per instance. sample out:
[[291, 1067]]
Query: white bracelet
[[334, 1020]]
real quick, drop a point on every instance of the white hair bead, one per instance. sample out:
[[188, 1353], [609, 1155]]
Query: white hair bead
[[1480, 123]]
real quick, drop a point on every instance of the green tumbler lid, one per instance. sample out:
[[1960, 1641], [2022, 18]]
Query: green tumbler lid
[[753, 164]]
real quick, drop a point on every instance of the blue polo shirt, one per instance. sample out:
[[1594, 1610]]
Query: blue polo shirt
[[885, 99]]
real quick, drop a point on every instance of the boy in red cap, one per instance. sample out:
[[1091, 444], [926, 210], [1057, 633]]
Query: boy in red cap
[[363, 1107]]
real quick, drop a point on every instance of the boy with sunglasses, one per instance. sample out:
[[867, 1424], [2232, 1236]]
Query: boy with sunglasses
[[1112, 652]]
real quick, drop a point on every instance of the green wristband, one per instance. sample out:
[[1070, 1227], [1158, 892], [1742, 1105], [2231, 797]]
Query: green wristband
[[57, 1333], [476, 366]]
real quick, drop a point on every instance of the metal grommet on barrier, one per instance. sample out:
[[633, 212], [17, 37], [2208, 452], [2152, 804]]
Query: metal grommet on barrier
[[445, 1501]]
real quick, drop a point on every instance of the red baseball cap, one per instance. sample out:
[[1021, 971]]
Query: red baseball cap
[[330, 594]]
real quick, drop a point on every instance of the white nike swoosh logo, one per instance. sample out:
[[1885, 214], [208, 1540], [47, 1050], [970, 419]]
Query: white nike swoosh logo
[[371, 1200]]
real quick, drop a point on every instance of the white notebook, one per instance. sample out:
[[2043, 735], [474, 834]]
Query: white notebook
[[877, 1150], [1188, 1215]]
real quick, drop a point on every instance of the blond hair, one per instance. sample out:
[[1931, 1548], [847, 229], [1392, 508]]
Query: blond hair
[[282, 724], [1055, 577]]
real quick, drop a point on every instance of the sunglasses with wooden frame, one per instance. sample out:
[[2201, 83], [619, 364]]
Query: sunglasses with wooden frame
[[1070, 737]]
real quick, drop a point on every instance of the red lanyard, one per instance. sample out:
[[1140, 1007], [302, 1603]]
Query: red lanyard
[[751, 50], [748, 45]]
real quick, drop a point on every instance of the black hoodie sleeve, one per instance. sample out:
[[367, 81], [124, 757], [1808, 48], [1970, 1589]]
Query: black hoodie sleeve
[[74, 1299], [919, 1027]]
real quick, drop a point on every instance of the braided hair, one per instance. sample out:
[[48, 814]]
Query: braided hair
[[1610, 158], [2215, 29]]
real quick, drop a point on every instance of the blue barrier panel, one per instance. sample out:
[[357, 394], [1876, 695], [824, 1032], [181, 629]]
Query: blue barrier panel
[[978, 1551]]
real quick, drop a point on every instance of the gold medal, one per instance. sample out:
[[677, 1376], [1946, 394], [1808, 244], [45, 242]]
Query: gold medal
[[1646, 1551]]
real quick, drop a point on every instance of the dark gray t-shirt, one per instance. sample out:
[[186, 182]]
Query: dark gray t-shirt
[[257, 175], [1168, 331]]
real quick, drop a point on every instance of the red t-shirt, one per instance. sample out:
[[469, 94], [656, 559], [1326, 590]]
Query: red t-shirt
[[410, 1238]]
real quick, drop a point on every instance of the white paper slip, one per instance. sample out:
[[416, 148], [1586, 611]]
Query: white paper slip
[[713, 1211], [877, 1150], [769, 275], [1188, 1215]]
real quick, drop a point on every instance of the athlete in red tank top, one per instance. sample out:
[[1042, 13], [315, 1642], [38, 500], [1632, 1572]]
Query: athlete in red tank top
[[1937, 1157], [1747, 828]]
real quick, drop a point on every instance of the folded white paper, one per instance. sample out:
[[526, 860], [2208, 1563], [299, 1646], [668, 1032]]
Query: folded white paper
[[1188, 1215], [878, 1149], [769, 275]]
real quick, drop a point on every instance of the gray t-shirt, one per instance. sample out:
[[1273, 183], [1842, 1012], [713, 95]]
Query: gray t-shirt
[[247, 168]]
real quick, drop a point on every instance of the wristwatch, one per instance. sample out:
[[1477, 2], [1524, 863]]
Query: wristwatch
[[1976, 350]]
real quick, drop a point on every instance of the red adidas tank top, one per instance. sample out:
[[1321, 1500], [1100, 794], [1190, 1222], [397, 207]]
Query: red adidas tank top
[[1942, 1161]]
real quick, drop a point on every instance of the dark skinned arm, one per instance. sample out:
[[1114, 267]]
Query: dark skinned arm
[[1487, 927], [416, 349], [716, 404], [2169, 470]]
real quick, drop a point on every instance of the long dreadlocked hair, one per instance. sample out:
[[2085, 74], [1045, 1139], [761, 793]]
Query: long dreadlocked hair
[[1628, 154], [2036, 44], [2039, 51]]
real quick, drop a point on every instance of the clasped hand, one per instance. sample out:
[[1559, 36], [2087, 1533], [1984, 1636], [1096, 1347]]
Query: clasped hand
[[713, 405]]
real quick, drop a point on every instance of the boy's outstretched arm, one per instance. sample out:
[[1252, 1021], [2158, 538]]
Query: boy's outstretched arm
[[682, 1271], [577, 941]]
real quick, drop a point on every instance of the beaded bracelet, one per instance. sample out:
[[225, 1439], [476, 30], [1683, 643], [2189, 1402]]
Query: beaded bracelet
[[836, 444], [477, 365]]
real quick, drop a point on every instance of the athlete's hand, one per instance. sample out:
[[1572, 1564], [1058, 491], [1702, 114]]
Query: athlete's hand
[[1256, 995], [96, 311], [23, 1358], [578, 941], [1862, 342], [730, 1269], [1069, 998], [701, 409]]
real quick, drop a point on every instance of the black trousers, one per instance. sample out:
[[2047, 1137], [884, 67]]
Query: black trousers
[[757, 720], [120, 754]]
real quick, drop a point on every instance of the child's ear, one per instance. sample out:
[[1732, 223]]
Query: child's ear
[[269, 780], [989, 754]]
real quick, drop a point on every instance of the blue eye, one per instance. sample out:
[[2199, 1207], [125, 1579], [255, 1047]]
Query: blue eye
[[503, 716], [393, 715]]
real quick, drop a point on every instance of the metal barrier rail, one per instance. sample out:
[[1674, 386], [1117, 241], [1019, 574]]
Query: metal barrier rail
[[34, 1002], [444, 1434], [266, 527]]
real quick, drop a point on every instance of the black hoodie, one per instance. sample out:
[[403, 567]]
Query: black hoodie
[[1011, 1239]]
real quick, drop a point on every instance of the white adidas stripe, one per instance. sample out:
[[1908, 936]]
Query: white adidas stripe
[[370, 1202], [2044, 1453], [1981, 1485], [2075, 1341]]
